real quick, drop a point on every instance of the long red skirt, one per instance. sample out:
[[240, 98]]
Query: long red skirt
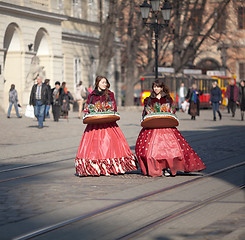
[[103, 151], [165, 148]]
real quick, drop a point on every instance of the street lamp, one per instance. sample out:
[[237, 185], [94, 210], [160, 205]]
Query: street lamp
[[166, 13]]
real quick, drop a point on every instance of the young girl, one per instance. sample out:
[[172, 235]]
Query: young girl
[[103, 149], [164, 148]]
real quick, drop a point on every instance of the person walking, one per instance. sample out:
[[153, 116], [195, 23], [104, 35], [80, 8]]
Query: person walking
[[193, 99], [103, 149], [216, 99], [81, 97], [242, 98], [57, 100], [232, 93], [13, 100], [47, 107], [160, 150], [68, 98], [39, 98], [182, 91]]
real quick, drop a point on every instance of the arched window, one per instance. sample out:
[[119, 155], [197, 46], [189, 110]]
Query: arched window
[[41, 44], [208, 64], [12, 42]]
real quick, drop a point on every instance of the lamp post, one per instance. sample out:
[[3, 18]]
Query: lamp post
[[145, 9]]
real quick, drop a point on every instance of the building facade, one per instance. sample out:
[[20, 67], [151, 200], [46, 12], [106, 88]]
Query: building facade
[[56, 38], [227, 56]]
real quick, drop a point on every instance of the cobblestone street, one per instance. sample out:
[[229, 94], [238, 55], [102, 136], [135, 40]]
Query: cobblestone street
[[53, 190]]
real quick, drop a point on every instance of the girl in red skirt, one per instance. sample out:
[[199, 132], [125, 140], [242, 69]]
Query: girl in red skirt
[[103, 149], [160, 149]]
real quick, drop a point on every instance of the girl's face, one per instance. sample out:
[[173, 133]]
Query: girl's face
[[157, 89], [102, 84]]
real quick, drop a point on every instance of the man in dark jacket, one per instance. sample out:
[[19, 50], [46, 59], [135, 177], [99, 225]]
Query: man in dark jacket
[[232, 93], [57, 100], [216, 99], [39, 98]]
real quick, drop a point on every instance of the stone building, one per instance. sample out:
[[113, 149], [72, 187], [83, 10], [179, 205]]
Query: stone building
[[228, 55], [56, 38]]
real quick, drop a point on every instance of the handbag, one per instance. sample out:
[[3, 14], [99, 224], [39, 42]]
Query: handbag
[[29, 111]]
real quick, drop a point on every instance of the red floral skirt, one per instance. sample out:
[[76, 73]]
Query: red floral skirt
[[103, 151], [165, 148]]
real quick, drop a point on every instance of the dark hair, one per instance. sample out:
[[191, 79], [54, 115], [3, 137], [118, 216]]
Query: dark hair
[[12, 87], [63, 84], [47, 81], [164, 87], [57, 83], [80, 83], [97, 80]]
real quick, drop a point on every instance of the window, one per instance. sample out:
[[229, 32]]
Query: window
[[106, 9], [242, 71], [60, 6], [76, 9], [241, 17], [195, 18], [92, 10], [77, 71], [220, 25]]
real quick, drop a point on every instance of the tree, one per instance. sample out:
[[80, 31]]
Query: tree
[[191, 25], [107, 36], [194, 23]]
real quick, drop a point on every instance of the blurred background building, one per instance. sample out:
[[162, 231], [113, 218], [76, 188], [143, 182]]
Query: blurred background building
[[55, 38], [60, 40]]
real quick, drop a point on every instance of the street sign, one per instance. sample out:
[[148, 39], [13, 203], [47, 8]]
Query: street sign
[[192, 71], [166, 69]]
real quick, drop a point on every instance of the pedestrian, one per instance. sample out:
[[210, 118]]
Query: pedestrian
[[232, 93], [80, 97], [47, 107], [39, 98], [242, 98], [216, 99], [103, 149], [13, 100], [160, 150], [194, 101], [57, 99], [68, 98], [182, 91]]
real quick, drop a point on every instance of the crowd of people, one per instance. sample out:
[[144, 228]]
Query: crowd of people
[[235, 97], [43, 98], [103, 149]]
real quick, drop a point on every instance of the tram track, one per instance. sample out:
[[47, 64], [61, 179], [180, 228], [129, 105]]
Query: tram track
[[164, 219], [54, 170], [190, 138], [213, 135], [179, 213]]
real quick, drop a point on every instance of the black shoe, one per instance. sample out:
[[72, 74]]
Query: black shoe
[[39, 127], [214, 119], [233, 114], [220, 116], [20, 117], [8, 116]]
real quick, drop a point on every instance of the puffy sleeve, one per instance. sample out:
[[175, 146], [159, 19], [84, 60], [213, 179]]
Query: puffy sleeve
[[145, 105], [86, 110], [113, 102], [172, 106]]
